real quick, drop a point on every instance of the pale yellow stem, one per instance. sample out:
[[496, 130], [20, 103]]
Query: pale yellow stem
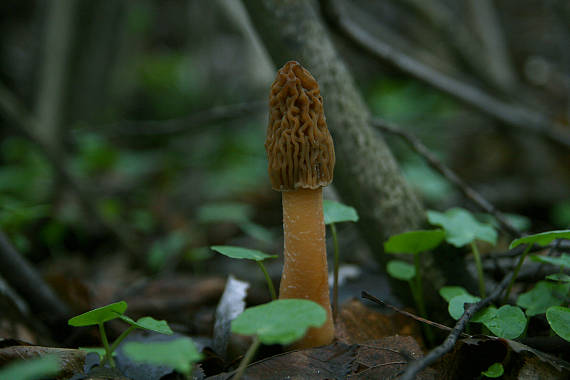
[[305, 273]]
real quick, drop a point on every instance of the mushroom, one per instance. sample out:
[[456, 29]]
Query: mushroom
[[301, 161]]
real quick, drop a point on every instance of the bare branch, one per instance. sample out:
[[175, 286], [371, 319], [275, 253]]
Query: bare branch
[[184, 124], [435, 163], [416, 366], [510, 114]]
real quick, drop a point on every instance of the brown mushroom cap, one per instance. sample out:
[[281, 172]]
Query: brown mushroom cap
[[299, 146]]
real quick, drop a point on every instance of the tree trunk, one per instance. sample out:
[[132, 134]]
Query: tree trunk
[[366, 174]]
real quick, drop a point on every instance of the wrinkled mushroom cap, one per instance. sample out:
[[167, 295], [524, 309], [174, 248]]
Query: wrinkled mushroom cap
[[299, 146]]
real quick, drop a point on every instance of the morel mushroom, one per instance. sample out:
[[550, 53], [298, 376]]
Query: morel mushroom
[[301, 161]]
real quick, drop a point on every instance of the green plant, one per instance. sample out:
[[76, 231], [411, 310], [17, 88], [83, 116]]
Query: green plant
[[336, 212], [461, 228], [507, 322], [278, 322], [31, 369], [414, 243], [180, 354], [116, 311], [495, 370], [249, 254], [541, 239], [559, 319]]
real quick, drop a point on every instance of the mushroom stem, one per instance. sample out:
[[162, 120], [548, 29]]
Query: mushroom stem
[[305, 273]]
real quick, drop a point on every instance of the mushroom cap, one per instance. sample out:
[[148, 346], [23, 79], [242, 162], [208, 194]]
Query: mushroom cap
[[299, 146]]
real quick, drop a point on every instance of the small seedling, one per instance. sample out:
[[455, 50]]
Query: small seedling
[[542, 296], [249, 254], [336, 212], [277, 322], [461, 228], [180, 354], [415, 242], [559, 320], [495, 370], [116, 311], [507, 322], [31, 369], [541, 239]]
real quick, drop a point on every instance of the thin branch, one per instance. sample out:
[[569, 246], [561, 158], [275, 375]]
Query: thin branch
[[16, 113], [23, 277], [184, 124], [510, 114], [418, 365], [370, 297], [435, 163]]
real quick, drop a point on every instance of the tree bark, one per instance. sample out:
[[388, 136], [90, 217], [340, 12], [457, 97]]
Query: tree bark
[[366, 173]]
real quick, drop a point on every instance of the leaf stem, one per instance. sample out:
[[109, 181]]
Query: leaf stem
[[516, 271], [108, 353], [268, 279], [479, 266], [335, 271], [247, 358], [121, 337]]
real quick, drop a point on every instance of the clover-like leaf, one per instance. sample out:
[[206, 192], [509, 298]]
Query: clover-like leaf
[[401, 270], [179, 354], [448, 292], [280, 322], [559, 320], [544, 295], [456, 304], [241, 253], [99, 315], [542, 239], [149, 324], [31, 369], [562, 261], [495, 370], [508, 322], [414, 241], [561, 277], [461, 227], [336, 212]]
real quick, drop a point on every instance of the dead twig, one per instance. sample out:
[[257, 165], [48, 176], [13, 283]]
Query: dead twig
[[418, 365], [183, 124], [435, 163], [370, 297], [510, 114]]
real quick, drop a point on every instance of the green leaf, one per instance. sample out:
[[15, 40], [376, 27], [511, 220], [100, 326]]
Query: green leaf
[[336, 212], [448, 292], [242, 253], [257, 232], [541, 239], [544, 295], [401, 270], [150, 324], [494, 370], [100, 315], [179, 354], [224, 212], [280, 322], [561, 277], [456, 304], [562, 261], [414, 241], [484, 315], [559, 319], [461, 227], [31, 369], [508, 322]]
